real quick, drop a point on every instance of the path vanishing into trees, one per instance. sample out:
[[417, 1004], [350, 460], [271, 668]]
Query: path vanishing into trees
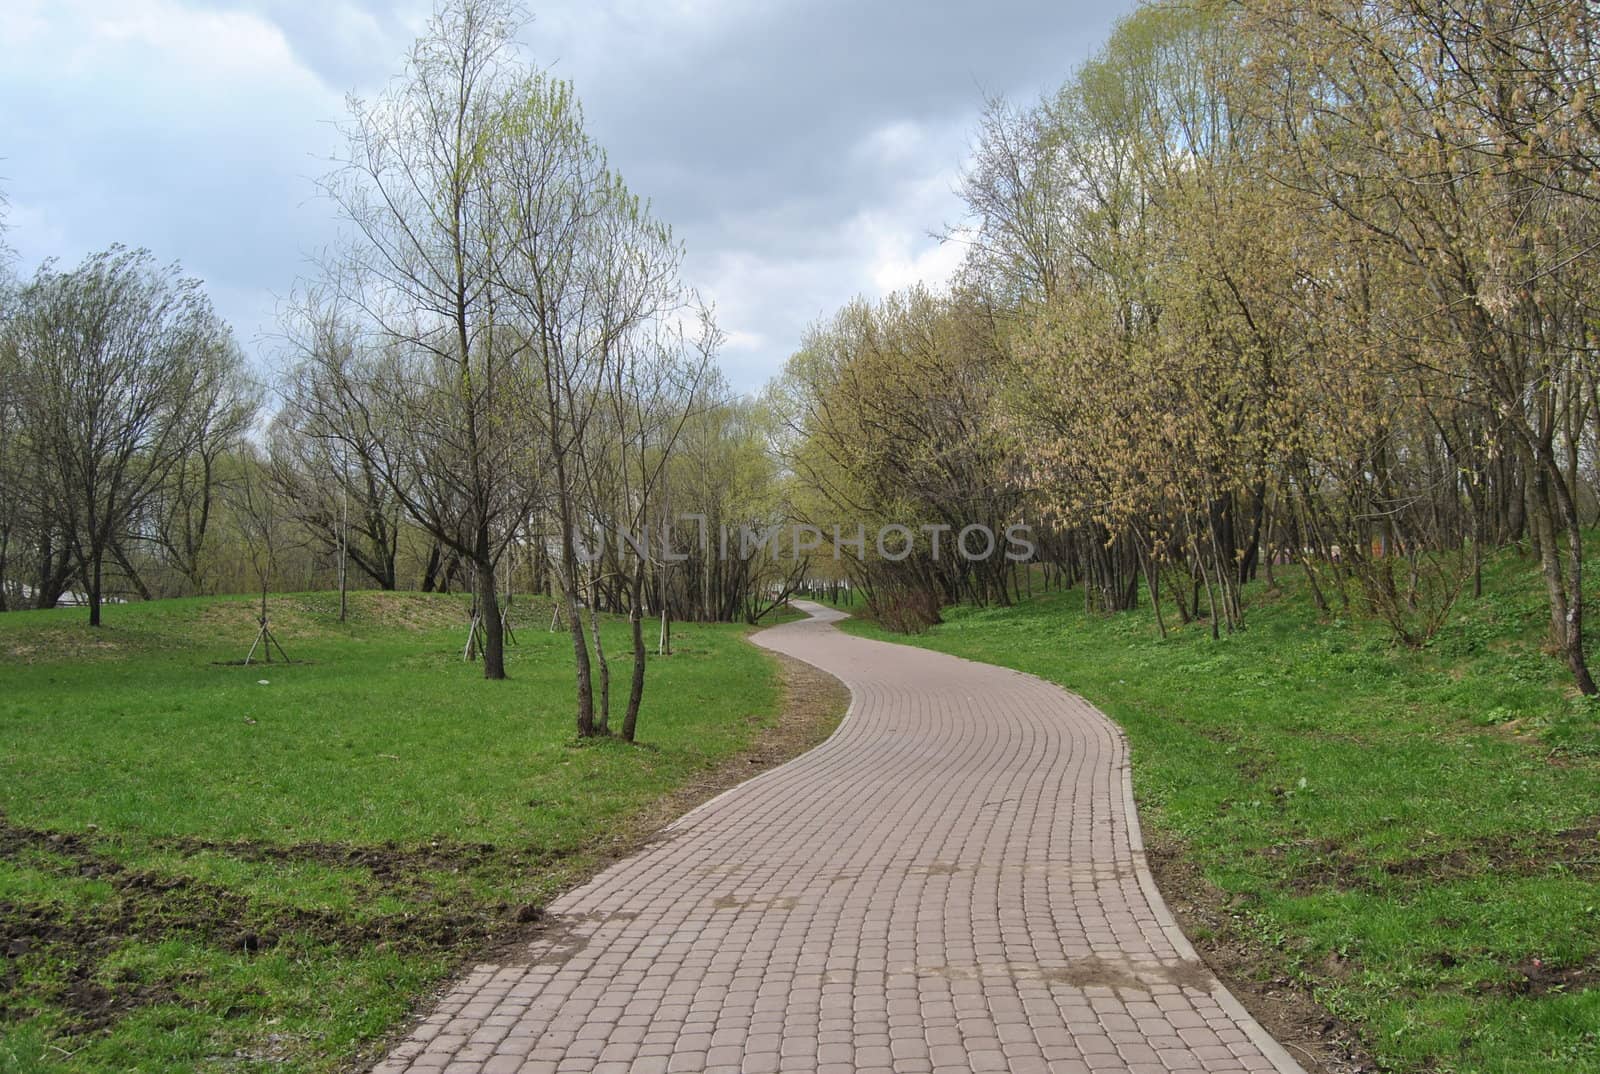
[[952, 882]]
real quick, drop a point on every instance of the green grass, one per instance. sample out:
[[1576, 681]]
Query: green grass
[[1401, 832], [363, 817]]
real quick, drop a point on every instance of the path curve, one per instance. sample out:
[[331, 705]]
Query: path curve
[[953, 882]]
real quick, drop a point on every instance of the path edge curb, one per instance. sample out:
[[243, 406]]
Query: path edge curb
[[1266, 1042], [850, 711]]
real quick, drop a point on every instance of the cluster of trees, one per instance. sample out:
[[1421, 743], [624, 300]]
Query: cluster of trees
[[890, 418], [505, 356], [499, 382], [1264, 282], [120, 391]]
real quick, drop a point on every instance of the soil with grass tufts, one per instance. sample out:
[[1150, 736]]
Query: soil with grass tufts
[[1259, 977], [203, 870], [89, 915]]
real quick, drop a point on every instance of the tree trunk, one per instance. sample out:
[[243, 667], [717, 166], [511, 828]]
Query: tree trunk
[[55, 575], [494, 629], [1572, 627], [93, 581], [630, 718], [580, 645], [603, 724], [1252, 550], [431, 572]]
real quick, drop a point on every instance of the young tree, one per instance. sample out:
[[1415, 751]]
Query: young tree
[[585, 270], [419, 186]]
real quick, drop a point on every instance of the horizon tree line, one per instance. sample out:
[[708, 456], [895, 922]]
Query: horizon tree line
[[1262, 285]]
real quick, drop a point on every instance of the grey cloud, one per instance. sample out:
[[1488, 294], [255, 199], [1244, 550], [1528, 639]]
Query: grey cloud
[[750, 127], [350, 44]]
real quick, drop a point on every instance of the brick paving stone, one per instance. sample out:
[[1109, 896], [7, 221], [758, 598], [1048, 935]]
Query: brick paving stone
[[953, 882]]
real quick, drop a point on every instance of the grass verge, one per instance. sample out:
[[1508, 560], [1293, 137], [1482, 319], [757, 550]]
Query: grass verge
[[210, 867], [1392, 856]]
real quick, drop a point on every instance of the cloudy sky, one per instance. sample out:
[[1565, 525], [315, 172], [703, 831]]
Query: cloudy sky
[[802, 149]]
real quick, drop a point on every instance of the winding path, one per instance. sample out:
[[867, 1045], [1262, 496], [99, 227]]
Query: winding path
[[953, 882]]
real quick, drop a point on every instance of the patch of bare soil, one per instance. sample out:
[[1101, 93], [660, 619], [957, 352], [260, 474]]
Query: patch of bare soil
[[1256, 975], [383, 860], [1570, 852], [150, 906], [1335, 866], [1536, 977], [1259, 975]]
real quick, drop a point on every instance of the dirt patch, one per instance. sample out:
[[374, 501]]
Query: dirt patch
[[760, 906], [384, 861], [1258, 976], [147, 905], [153, 905], [90, 1004], [1092, 972], [1339, 867], [150, 906], [260, 664], [390, 865], [1536, 977], [556, 938]]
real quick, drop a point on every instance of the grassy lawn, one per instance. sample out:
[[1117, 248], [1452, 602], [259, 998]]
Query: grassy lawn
[[1407, 837], [208, 866]]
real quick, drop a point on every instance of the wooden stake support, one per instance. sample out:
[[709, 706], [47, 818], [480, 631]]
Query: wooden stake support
[[264, 638]]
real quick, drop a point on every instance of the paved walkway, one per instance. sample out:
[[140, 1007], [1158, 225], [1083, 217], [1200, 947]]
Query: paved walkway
[[949, 884]]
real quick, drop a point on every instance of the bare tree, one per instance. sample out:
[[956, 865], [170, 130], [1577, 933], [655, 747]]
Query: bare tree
[[320, 449], [112, 358], [224, 407]]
